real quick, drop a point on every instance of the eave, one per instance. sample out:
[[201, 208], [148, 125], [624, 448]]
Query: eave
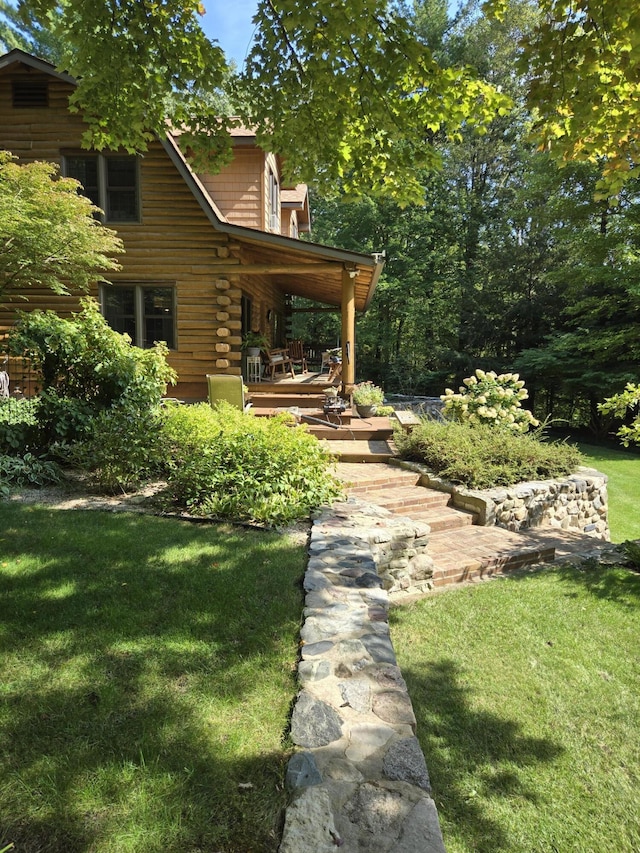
[[315, 271]]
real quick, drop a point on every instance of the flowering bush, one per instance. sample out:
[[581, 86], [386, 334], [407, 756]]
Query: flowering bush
[[487, 398]]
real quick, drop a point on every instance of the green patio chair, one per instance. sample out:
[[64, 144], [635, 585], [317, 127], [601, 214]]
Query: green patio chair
[[229, 389]]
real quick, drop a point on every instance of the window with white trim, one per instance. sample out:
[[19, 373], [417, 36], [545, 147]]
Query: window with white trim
[[274, 203], [145, 312], [111, 181]]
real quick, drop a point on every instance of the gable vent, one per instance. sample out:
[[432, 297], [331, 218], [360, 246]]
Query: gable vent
[[30, 94]]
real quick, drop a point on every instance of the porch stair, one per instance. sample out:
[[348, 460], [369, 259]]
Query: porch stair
[[461, 550], [349, 437]]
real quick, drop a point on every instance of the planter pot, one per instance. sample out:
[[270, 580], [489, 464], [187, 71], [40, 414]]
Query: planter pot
[[253, 352], [366, 411]]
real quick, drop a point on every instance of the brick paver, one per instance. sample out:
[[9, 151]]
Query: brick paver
[[461, 551]]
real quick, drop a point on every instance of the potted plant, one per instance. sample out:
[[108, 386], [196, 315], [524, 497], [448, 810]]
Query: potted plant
[[253, 342], [367, 397]]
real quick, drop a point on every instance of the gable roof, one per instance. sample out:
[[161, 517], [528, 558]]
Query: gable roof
[[17, 55], [302, 268]]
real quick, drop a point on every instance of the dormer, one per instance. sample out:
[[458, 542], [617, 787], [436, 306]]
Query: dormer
[[249, 190], [295, 218]]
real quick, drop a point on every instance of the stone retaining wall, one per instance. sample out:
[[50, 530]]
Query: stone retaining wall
[[359, 780], [577, 503]]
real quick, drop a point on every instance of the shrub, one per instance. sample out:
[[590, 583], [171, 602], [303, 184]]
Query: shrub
[[229, 464], [490, 399], [28, 470], [481, 457], [621, 405], [123, 448], [85, 359], [19, 429], [99, 392]]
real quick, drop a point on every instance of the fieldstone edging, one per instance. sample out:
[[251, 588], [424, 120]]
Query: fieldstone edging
[[577, 503], [359, 780]]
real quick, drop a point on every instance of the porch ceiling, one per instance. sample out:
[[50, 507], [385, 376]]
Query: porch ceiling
[[322, 285]]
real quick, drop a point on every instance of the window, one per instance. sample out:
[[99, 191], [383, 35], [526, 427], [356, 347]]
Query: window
[[274, 203], [110, 181], [145, 312]]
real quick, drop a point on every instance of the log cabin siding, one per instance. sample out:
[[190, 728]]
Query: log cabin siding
[[183, 240], [174, 244]]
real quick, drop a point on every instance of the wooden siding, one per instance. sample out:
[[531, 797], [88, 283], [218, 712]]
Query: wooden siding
[[174, 244], [237, 188]]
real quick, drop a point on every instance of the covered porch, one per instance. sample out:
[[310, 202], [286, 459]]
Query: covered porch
[[327, 276]]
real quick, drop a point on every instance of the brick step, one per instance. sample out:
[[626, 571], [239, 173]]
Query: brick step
[[474, 553], [445, 518], [361, 481], [410, 497]]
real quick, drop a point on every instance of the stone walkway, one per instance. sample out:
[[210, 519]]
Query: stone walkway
[[359, 780]]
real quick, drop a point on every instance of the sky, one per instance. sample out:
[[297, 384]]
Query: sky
[[229, 21]]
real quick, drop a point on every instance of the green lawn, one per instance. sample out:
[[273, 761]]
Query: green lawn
[[525, 691], [526, 695], [623, 468], [146, 675]]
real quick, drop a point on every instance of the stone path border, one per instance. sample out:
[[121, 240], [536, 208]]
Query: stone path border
[[359, 780]]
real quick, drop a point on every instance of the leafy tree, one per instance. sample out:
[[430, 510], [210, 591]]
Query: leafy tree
[[593, 348], [348, 91], [392, 95], [583, 65], [20, 28], [626, 404], [49, 236]]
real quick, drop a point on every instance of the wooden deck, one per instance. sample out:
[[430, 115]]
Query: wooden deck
[[303, 383]]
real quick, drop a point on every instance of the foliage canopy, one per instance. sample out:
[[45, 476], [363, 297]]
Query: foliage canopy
[[349, 92]]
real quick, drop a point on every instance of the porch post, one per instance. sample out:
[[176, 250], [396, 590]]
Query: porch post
[[348, 328]]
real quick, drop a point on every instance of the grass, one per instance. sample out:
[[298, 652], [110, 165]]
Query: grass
[[525, 691], [146, 676], [623, 470]]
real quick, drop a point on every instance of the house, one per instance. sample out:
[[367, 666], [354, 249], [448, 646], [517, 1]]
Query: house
[[208, 257]]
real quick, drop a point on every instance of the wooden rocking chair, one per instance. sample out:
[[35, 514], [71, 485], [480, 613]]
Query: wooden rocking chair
[[278, 358], [296, 354]]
